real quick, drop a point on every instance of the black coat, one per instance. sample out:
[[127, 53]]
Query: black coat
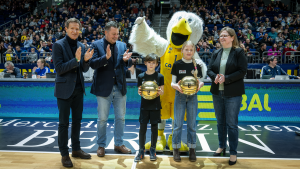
[[65, 65], [236, 69]]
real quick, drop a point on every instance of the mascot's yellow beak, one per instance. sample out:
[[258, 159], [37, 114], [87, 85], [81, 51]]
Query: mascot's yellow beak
[[181, 32]]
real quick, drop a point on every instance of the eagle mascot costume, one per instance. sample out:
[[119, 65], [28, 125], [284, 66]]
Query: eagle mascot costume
[[183, 26]]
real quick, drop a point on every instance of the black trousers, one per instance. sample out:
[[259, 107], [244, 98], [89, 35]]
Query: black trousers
[[75, 102], [142, 135]]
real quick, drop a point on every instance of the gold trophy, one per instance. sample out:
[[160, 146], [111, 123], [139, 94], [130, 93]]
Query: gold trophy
[[189, 85], [149, 90]]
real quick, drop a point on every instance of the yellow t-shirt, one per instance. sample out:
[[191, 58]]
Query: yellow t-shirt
[[8, 57]]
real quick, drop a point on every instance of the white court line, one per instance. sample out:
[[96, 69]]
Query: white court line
[[134, 163], [256, 158]]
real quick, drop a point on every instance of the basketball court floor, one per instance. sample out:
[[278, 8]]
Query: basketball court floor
[[32, 143]]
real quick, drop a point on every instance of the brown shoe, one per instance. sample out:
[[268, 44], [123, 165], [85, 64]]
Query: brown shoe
[[101, 152], [66, 161], [81, 154], [122, 149]]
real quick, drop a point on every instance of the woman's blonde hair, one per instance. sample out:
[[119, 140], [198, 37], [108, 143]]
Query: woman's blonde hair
[[193, 59], [231, 32]]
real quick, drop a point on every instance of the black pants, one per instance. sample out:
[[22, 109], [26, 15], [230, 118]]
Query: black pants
[[75, 102], [142, 135]]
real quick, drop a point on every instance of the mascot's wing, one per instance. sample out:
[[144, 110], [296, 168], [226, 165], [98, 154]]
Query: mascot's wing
[[202, 64], [145, 40]]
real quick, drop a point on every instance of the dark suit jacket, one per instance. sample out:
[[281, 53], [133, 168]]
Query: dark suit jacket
[[106, 70], [65, 65], [236, 69], [137, 72]]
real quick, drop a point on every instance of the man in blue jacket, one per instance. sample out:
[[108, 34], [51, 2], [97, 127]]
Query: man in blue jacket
[[70, 60], [273, 69], [109, 85]]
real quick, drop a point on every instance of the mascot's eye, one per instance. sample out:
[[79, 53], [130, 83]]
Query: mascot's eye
[[190, 20], [179, 17]]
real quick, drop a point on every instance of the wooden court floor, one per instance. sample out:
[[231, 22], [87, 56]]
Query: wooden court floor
[[22, 160]]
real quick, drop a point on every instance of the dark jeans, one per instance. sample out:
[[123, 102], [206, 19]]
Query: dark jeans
[[75, 102], [142, 135], [227, 110]]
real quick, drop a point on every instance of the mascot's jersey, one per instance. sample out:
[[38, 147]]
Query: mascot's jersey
[[167, 99]]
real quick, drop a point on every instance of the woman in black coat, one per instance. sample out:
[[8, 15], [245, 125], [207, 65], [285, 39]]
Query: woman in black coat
[[227, 69]]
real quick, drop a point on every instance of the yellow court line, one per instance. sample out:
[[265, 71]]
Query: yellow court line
[[205, 106], [205, 88], [206, 98], [207, 115]]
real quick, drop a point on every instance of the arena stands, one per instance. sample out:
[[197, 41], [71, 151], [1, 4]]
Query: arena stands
[[255, 22]]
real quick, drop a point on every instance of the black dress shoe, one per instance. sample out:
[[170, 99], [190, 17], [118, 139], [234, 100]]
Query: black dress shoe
[[298, 133], [219, 154], [232, 162], [66, 161], [81, 154]]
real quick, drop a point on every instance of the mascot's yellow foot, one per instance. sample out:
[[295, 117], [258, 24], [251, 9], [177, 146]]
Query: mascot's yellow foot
[[184, 147], [160, 144]]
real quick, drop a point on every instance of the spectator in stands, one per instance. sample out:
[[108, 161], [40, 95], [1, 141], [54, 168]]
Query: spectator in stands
[[246, 23], [9, 55], [49, 44], [267, 23], [262, 49], [262, 26], [273, 34], [18, 54], [43, 47], [133, 72], [267, 40], [249, 34], [259, 34], [205, 52], [274, 51], [245, 30], [32, 56], [209, 20], [10, 68], [275, 23], [62, 35], [279, 38], [255, 24], [217, 20], [15, 42], [6, 43], [7, 37], [286, 35], [288, 47], [218, 46], [42, 68], [294, 35], [249, 45], [273, 69]]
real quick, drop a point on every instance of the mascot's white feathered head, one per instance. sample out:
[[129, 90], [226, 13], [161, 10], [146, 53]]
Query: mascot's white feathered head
[[184, 26]]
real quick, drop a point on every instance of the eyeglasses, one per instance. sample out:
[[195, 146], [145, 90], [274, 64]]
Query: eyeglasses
[[224, 36]]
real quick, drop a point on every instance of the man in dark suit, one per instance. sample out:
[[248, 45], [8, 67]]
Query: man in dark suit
[[109, 85], [69, 62]]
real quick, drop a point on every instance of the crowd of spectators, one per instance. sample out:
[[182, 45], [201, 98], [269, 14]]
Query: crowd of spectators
[[260, 27]]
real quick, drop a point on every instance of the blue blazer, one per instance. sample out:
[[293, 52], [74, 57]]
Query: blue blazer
[[106, 70], [65, 64]]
